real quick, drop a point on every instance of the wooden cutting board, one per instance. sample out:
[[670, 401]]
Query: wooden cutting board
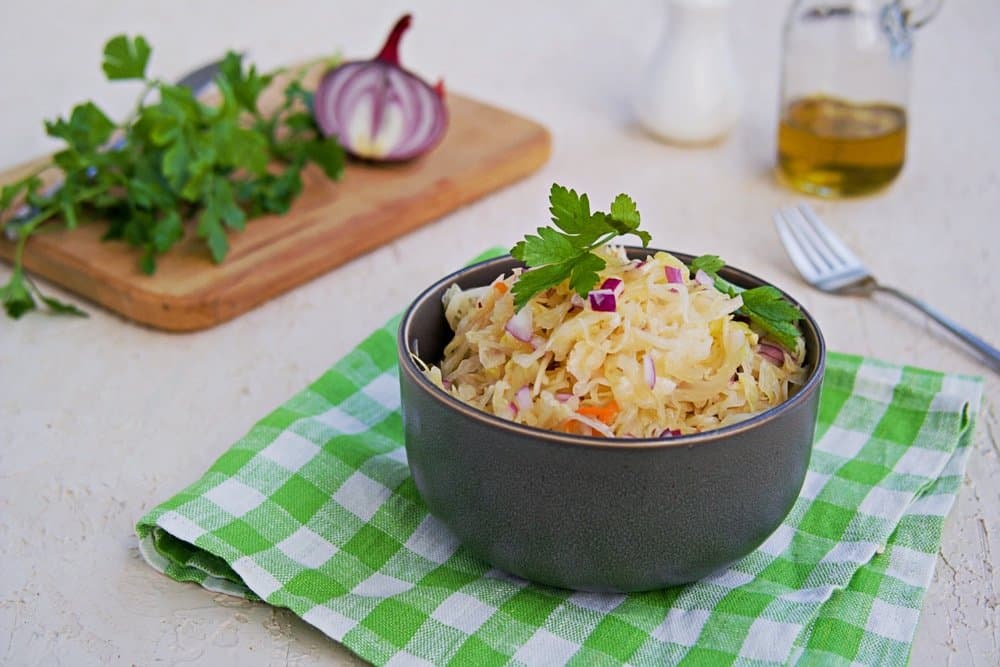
[[484, 149]]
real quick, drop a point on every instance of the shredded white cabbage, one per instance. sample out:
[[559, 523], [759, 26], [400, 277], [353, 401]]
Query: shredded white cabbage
[[584, 371]]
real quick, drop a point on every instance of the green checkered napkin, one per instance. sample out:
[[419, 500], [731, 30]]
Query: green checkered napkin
[[314, 510]]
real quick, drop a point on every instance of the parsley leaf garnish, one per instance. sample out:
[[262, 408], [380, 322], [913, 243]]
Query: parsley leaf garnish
[[126, 58], [766, 308], [173, 159], [555, 255]]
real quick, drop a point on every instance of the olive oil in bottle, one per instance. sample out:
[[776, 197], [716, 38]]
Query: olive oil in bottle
[[835, 148]]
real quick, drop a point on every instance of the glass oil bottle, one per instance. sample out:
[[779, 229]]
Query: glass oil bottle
[[845, 86]]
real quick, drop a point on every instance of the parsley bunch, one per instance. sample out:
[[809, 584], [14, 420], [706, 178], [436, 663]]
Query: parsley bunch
[[173, 159], [554, 255]]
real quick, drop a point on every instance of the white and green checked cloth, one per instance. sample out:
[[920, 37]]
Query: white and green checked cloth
[[314, 510]]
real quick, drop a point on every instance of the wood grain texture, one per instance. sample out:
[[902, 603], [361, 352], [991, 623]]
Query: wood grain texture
[[484, 149]]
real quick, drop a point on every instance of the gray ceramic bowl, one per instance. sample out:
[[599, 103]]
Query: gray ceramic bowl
[[591, 513]]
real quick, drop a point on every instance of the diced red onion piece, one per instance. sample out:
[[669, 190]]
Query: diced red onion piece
[[772, 353], [562, 397], [513, 407], [446, 384], [613, 284], [603, 300], [523, 398], [703, 278], [650, 369], [520, 326], [577, 301], [674, 275], [670, 433]]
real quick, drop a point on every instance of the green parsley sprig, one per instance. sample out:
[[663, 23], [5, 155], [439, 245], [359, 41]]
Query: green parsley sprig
[[173, 159], [764, 306], [554, 255]]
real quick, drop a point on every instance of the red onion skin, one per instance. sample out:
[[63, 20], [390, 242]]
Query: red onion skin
[[523, 398], [603, 301], [772, 353], [613, 284], [390, 50], [520, 325]]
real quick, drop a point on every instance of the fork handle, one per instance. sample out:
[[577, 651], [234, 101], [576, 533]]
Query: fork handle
[[989, 354]]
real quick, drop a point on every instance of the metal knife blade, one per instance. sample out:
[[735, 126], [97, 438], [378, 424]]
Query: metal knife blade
[[197, 80]]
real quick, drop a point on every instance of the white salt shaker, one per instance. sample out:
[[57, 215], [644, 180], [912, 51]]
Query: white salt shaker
[[690, 93]]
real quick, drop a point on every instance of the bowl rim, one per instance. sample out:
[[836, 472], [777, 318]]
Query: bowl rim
[[409, 366]]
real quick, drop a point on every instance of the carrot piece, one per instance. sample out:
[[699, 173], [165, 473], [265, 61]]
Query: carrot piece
[[605, 413], [574, 427], [500, 287]]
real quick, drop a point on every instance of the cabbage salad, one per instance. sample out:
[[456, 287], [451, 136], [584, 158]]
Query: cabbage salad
[[653, 352]]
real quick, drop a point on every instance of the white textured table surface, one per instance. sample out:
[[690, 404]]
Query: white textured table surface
[[101, 419]]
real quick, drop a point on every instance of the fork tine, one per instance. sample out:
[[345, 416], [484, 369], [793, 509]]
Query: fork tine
[[825, 258], [807, 244], [833, 242], [794, 248]]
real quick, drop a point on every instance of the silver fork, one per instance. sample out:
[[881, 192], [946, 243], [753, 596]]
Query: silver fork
[[829, 265]]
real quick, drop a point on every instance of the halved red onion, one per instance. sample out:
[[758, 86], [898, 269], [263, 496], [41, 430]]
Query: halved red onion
[[613, 284], [772, 353], [649, 369], [703, 278], [603, 300], [520, 326], [377, 109], [674, 275], [523, 398]]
